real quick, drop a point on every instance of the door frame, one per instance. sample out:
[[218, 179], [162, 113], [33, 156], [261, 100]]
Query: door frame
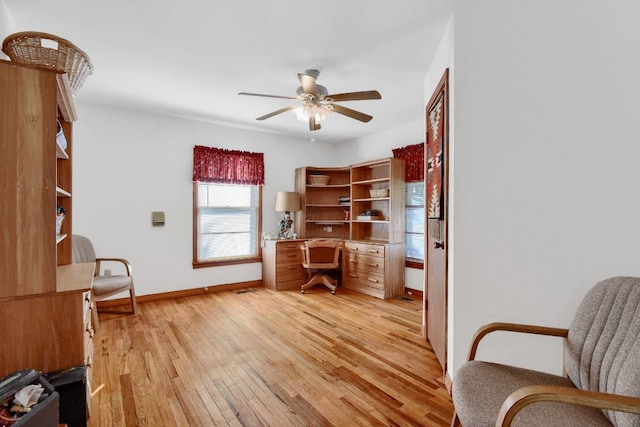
[[440, 225]]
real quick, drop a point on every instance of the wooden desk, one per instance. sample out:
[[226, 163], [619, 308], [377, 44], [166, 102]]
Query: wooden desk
[[282, 264]]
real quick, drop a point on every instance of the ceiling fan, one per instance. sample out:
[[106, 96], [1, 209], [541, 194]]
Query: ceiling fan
[[316, 103]]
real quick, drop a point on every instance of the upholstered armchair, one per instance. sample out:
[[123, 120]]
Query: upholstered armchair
[[602, 362], [104, 286]]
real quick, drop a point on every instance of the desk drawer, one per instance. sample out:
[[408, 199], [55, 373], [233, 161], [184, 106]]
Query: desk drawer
[[364, 263], [364, 249], [289, 271]]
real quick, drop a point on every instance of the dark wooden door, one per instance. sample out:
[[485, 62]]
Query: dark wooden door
[[436, 295], [436, 263]]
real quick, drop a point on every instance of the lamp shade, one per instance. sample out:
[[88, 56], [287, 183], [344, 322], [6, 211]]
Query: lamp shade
[[287, 201]]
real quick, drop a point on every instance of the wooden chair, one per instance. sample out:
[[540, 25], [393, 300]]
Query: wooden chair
[[602, 362], [318, 257], [104, 286]]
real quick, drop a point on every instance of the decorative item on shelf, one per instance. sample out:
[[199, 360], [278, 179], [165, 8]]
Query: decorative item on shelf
[[60, 215], [62, 141], [287, 202], [380, 192], [52, 52], [344, 201], [368, 215], [318, 179]]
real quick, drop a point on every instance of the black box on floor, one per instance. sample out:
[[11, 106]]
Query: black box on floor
[[71, 386], [42, 414]]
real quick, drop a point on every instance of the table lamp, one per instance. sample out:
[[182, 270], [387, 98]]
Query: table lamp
[[287, 202]]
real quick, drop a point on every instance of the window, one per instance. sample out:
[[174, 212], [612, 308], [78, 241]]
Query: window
[[226, 223], [414, 222]]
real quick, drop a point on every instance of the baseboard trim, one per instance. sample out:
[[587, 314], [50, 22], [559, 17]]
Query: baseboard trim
[[179, 294]]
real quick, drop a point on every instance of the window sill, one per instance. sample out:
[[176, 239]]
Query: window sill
[[204, 264]]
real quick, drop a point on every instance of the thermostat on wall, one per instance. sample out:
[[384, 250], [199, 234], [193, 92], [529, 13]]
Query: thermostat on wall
[[157, 218]]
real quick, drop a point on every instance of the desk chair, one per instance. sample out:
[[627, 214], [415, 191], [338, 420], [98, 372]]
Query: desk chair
[[321, 255], [104, 286]]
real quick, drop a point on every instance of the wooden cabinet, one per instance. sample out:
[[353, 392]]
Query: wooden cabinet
[[44, 299], [282, 264], [376, 269], [325, 207], [371, 239]]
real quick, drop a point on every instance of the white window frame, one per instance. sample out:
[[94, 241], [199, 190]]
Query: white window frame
[[255, 228], [417, 234]]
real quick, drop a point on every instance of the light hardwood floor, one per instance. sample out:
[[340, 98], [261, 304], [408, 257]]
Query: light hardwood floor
[[267, 358]]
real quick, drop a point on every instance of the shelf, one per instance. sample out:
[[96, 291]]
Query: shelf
[[327, 222], [370, 181], [62, 193], [314, 186], [60, 238], [60, 153], [371, 199]]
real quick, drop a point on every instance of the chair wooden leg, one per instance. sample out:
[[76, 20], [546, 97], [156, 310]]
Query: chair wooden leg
[[134, 306], [455, 421], [321, 279]]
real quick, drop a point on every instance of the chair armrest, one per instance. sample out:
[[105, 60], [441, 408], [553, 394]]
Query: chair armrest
[[547, 393], [512, 327], [126, 264]]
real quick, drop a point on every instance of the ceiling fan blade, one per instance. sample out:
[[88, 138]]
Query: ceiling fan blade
[[308, 83], [356, 96], [275, 113], [351, 113], [266, 96], [313, 125]]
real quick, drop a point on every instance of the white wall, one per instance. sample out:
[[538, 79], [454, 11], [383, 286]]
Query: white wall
[[128, 164], [6, 25], [378, 146], [546, 164]]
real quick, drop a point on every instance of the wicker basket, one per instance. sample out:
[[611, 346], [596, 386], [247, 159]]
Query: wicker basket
[[49, 51], [380, 192], [318, 179]]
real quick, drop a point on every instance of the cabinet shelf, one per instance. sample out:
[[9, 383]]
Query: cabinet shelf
[[370, 181], [60, 238], [60, 152], [62, 193], [371, 199]]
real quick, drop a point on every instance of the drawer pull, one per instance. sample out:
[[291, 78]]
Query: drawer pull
[[373, 251], [353, 261], [355, 276], [373, 265], [372, 280]]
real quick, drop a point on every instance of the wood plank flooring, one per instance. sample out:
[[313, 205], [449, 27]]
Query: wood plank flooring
[[258, 357]]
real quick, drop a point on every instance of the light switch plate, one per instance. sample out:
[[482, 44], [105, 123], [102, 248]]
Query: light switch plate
[[157, 218]]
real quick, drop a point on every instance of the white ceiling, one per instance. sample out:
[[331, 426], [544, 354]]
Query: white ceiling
[[190, 58]]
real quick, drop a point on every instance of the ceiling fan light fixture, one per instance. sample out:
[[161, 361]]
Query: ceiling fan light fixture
[[309, 109]]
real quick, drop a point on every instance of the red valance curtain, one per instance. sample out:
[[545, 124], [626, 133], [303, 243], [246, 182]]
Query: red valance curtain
[[227, 166], [413, 156]]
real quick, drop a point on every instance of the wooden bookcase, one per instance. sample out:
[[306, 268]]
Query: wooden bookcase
[[374, 252], [45, 299], [325, 208]]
